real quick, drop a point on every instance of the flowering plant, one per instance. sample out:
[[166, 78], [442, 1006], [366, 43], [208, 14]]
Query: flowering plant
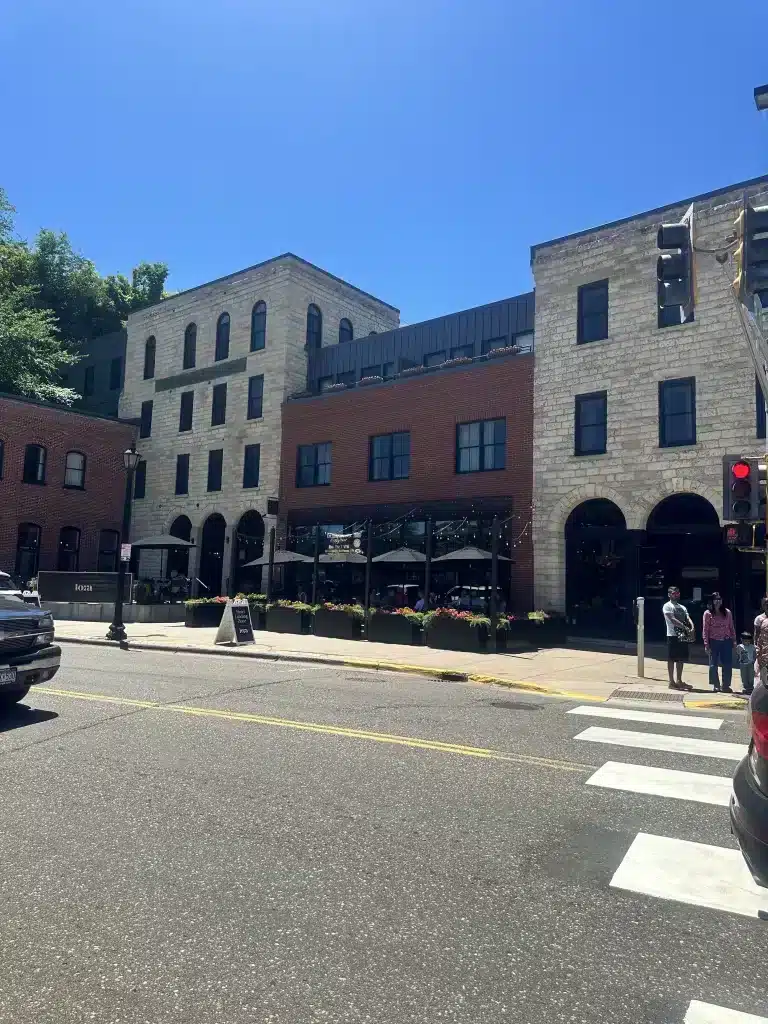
[[407, 613], [194, 602], [355, 611], [508, 350], [336, 387], [457, 361], [455, 615], [299, 606], [411, 371], [373, 379]]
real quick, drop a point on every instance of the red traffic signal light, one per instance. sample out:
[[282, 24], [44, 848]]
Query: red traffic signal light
[[741, 470], [741, 490]]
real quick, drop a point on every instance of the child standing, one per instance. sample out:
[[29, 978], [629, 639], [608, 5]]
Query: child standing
[[745, 657]]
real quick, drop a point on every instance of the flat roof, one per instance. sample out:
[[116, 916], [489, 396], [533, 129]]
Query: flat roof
[[265, 263], [66, 408], [762, 180]]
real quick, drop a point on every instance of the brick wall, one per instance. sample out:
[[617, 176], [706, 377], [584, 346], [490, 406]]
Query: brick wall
[[430, 406], [52, 506]]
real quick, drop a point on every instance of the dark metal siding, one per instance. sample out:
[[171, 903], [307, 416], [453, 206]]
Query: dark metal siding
[[471, 327]]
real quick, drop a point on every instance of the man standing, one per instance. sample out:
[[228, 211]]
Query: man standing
[[761, 641], [680, 632]]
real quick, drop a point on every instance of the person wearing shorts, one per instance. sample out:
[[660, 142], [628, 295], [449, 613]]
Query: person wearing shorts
[[679, 627]]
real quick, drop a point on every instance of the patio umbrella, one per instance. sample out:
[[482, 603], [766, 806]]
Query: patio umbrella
[[281, 558], [469, 554], [401, 555], [353, 557], [163, 542]]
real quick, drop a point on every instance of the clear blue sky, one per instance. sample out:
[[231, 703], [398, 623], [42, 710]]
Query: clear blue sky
[[414, 147]]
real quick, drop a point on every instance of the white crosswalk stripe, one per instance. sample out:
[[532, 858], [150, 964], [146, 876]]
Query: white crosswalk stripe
[[640, 778], [651, 717], [661, 741], [708, 1013]]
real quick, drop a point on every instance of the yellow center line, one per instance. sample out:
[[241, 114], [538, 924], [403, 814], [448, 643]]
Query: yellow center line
[[328, 730]]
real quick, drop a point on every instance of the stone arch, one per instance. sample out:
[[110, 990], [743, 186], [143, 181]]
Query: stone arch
[[213, 535], [178, 561], [247, 544], [650, 500]]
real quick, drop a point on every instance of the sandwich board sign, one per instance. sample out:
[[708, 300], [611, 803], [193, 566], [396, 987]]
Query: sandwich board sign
[[236, 626]]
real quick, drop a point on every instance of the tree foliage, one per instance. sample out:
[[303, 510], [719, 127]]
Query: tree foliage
[[52, 300]]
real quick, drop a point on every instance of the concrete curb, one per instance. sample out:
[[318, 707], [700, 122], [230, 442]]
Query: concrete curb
[[450, 675]]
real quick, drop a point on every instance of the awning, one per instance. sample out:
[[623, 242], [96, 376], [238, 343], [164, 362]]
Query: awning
[[401, 555], [469, 554], [280, 558], [353, 557], [161, 542]]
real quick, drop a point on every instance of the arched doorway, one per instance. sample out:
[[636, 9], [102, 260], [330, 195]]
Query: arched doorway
[[683, 545], [178, 560], [598, 573], [248, 543], [212, 554]]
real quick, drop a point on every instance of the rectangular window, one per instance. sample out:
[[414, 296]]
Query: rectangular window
[[145, 427], [370, 371], [106, 560], [186, 410], [481, 446], [116, 374], [255, 396], [34, 464], [215, 463], [388, 371], [182, 474], [524, 341], [406, 363], [591, 423], [69, 549], [251, 461], [390, 456], [313, 465], [88, 384], [494, 343], [434, 358], [219, 405], [592, 312], [140, 480], [760, 416], [677, 412], [463, 352], [325, 382], [348, 377]]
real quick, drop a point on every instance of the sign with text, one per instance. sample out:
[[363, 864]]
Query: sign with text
[[236, 626], [81, 587]]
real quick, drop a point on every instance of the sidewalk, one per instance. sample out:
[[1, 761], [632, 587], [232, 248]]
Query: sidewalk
[[582, 674]]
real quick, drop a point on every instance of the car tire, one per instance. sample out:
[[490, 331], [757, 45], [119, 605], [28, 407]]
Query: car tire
[[12, 695]]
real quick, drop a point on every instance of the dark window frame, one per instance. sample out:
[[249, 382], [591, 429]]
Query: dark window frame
[[591, 324], [384, 461], [219, 404], [760, 412], [255, 401], [248, 465], [37, 478], [33, 549], [186, 411], [89, 381], [483, 445], [68, 559], [181, 485], [490, 344], [314, 334], [116, 373], [107, 556], [259, 326], [667, 387], [431, 359], [145, 422], [315, 465], [140, 480], [215, 468], [462, 352], [579, 426], [221, 345], [189, 355], [346, 331], [150, 353], [68, 469]]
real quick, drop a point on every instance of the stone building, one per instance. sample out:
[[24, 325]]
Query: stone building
[[206, 373], [632, 420]]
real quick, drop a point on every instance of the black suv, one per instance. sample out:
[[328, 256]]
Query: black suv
[[749, 800], [28, 654]]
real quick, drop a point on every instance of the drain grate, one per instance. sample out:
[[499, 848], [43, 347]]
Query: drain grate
[[647, 695]]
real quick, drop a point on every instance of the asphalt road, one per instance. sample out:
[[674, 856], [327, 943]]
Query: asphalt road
[[297, 844]]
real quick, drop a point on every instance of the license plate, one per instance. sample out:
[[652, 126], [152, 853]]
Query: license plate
[[7, 676]]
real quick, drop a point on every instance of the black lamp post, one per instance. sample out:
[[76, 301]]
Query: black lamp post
[[116, 631]]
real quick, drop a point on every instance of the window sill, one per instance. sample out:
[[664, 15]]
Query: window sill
[[250, 419], [73, 487], [34, 483], [589, 455], [469, 472], [597, 341], [305, 487], [250, 487], [678, 444]]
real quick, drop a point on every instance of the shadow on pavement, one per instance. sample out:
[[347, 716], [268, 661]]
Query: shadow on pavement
[[19, 715]]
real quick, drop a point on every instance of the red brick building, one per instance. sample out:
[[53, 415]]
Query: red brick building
[[62, 486], [453, 443]]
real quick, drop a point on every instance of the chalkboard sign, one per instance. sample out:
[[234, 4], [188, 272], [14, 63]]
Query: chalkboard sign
[[235, 626]]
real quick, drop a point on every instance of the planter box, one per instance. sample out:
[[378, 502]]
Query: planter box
[[258, 617], [453, 635], [287, 620], [336, 624], [393, 629], [203, 614], [550, 633], [518, 636]]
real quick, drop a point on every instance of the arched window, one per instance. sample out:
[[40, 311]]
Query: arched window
[[35, 457], [346, 333], [149, 358], [258, 326], [314, 327], [27, 550], [69, 549], [190, 347], [74, 470], [222, 337]]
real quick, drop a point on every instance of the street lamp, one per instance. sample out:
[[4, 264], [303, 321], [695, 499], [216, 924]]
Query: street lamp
[[116, 631], [761, 97]]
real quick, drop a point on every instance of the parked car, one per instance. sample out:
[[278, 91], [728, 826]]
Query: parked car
[[475, 599], [11, 585], [28, 654], [749, 800]]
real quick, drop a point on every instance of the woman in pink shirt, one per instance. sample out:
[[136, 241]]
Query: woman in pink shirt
[[719, 637]]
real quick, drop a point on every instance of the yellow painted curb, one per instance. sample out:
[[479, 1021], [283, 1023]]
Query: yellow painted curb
[[724, 705], [519, 684]]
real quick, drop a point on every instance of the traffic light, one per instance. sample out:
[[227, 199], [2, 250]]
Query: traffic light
[[675, 272], [741, 489], [751, 254]]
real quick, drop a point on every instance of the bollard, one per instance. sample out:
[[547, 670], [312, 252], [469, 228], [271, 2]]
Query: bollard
[[641, 637]]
